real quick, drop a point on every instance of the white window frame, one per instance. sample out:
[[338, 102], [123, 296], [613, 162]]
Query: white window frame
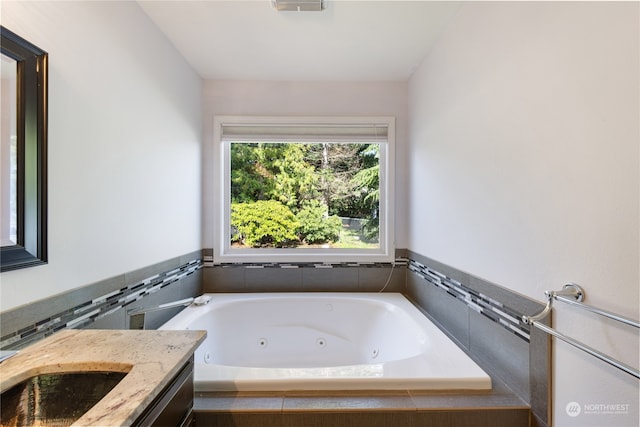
[[225, 253]]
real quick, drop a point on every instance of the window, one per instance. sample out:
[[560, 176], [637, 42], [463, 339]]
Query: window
[[304, 189]]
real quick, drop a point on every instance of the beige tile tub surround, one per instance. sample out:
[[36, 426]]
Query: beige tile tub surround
[[151, 358]]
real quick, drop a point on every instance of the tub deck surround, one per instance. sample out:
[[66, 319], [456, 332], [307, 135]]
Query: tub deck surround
[[150, 358], [484, 319], [323, 341], [480, 321]]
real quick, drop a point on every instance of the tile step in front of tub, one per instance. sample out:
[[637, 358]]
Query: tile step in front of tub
[[497, 408]]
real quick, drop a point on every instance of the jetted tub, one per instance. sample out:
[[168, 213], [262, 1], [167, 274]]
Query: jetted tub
[[323, 341]]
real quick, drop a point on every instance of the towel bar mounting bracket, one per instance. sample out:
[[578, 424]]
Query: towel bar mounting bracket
[[570, 290]]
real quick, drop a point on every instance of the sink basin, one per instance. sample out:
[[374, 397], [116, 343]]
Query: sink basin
[[56, 399]]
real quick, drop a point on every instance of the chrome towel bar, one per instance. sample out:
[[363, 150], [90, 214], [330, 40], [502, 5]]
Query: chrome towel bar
[[617, 317], [573, 294]]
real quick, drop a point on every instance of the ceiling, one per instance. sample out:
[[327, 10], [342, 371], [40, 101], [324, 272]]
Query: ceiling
[[367, 40]]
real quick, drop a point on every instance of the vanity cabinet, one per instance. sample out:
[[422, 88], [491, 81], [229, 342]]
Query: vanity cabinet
[[173, 407]]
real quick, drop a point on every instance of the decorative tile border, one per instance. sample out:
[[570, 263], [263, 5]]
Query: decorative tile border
[[97, 308], [484, 305], [400, 261]]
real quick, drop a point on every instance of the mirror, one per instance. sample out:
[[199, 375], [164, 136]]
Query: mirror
[[23, 153], [8, 151]]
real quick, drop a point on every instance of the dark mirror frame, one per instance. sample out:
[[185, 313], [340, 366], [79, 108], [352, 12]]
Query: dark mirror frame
[[32, 75]]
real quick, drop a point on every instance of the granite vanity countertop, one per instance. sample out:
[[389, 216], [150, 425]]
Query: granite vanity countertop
[[151, 358]]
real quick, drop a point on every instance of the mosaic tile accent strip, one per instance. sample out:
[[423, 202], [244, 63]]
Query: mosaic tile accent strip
[[488, 307], [90, 311], [208, 262]]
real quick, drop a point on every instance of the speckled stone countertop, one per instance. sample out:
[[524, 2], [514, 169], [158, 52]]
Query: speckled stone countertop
[[151, 358]]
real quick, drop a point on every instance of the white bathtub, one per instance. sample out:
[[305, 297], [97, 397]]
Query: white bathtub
[[323, 341]]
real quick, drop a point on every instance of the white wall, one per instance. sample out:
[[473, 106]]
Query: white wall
[[262, 98], [524, 170], [124, 145]]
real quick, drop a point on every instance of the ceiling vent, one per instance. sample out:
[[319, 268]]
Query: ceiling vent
[[298, 5]]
